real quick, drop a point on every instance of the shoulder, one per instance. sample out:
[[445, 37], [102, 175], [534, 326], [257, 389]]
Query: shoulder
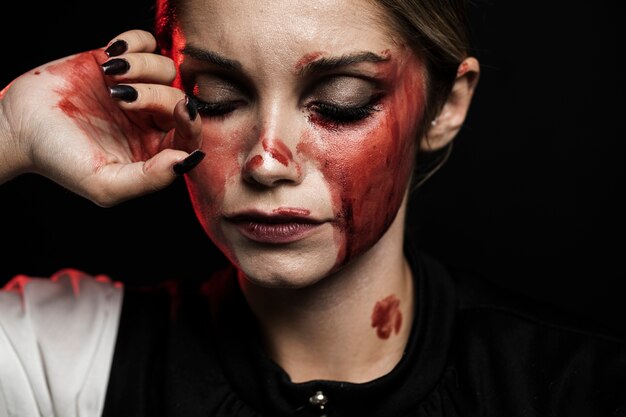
[[68, 287], [509, 345], [167, 342], [485, 302], [56, 342]]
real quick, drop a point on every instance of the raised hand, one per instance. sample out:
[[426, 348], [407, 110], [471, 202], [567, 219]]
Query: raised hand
[[106, 124]]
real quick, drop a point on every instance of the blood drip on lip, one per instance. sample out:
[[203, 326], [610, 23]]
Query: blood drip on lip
[[288, 211]]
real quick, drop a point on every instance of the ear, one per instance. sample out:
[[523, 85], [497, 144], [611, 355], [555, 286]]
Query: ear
[[447, 124]]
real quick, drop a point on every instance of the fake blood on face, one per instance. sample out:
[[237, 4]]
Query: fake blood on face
[[368, 165], [278, 150]]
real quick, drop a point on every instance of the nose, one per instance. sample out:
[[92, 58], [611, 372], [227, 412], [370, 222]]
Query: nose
[[270, 162]]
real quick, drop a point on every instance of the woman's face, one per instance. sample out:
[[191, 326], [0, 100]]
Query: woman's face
[[310, 115]]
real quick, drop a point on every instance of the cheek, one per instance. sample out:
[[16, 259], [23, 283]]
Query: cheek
[[368, 170], [207, 184]]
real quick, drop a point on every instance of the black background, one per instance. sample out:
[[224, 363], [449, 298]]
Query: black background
[[531, 198]]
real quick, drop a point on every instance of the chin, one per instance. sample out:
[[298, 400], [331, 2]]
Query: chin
[[285, 268]]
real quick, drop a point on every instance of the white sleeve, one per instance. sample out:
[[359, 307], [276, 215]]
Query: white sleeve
[[57, 338]]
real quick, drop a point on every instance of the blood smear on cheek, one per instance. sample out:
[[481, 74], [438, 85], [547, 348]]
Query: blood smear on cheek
[[223, 149]]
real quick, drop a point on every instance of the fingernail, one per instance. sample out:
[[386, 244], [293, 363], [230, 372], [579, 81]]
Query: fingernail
[[189, 163], [116, 48], [192, 107], [116, 66], [123, 92]]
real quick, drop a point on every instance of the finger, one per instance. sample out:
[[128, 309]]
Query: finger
[[140, 67], [157, 99], [164, 167], [116, 183], [135, 40], [188, 133]]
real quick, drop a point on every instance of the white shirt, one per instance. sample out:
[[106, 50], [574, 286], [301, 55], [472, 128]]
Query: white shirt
[[57, 337]]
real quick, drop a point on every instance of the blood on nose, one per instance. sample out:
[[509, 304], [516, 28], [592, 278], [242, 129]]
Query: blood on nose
[[278, 150]]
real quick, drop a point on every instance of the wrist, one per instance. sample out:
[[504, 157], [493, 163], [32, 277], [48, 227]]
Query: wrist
[[12, 161]]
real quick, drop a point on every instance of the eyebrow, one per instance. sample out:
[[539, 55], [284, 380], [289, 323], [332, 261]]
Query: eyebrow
[[321, 64], [331, 63], [211, 57]]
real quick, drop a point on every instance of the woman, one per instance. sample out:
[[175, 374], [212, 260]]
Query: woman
[[300, 140]]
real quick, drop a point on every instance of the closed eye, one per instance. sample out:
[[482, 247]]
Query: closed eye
[[338, 115], [218, 108]]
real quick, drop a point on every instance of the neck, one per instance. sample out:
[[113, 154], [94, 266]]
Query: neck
[[351, 326]]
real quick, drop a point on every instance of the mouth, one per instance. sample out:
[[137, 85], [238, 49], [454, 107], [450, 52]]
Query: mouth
[[280, 227]]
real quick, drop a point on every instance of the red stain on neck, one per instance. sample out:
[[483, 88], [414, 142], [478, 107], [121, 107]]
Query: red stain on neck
[[387, 317], [278, 150], [307, 59]]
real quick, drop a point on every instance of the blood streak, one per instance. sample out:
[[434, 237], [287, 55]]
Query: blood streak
[[278, 150], [307, 59], [368, 165], [387, 317], [255, 162]]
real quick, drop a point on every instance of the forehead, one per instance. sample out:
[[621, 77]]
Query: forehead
[[284, 29]]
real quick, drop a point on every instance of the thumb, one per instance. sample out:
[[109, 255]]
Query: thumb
[[120, 182]]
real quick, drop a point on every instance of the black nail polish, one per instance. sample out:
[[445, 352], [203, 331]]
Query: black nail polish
[[116, 48], [116, 66], [123, 92], [189, 163], [192, 107]]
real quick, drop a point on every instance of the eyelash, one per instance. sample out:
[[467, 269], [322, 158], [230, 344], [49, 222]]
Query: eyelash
[[216, 109], [336, 114], [344, 115]]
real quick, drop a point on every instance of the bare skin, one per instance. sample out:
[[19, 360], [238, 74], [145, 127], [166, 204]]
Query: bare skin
[[274, 155]]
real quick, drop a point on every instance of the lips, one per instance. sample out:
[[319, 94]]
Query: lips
[[281, 227]]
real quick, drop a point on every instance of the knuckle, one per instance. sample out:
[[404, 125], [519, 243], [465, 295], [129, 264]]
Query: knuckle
[[103, 198], [146, 38], [169, 69]]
